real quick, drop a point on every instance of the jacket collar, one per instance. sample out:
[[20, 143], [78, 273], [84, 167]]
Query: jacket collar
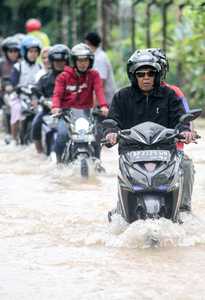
[[155, 93]]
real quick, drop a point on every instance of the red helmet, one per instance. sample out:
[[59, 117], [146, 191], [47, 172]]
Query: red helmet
[[32, 25]]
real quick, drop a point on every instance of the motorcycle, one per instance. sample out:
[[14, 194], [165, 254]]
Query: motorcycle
[[150, 176], [49, 126], [81, 125], [27, 96], [7, 89]]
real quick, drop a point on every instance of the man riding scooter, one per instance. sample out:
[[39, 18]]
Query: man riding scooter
[[146, 99], [74, 88]]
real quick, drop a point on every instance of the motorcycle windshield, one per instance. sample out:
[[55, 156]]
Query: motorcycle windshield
[[148, 133], [79, 113]]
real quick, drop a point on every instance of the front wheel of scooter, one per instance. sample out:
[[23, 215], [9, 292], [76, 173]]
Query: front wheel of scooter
[[84, 171]]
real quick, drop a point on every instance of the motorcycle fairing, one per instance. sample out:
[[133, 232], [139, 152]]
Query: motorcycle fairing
[[147, 133], [155, 191]]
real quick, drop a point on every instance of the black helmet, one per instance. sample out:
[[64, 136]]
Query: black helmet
[[10, 43], [162, 60], [138, 59], [82, 51], [59, 52]]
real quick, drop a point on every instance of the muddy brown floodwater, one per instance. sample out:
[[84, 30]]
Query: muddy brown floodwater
[[56, 243]]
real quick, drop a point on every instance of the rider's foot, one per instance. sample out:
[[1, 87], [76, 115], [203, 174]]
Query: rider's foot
[[99, 168], [59, 159], [53, 157], [13, 143], [185, 208], [111, 213], [39, 147], [7, 139]]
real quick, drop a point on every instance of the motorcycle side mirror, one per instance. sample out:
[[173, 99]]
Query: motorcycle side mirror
[[196, 112], [126, 132], [109, 123], [190, 116], [186, 118]]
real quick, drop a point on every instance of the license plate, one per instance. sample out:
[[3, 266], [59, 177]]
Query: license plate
[[150, 155]]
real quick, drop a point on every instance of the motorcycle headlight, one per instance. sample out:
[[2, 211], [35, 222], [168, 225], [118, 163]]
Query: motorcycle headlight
[[164, 180], [135, 177], [81, 124]]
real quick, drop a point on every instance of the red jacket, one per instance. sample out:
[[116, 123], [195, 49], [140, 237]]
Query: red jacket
[[175, 88], [72, 90], [180, 95]]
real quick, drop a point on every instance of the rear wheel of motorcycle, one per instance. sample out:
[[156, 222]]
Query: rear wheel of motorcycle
[[84, 168], [28, 138], [25, 132]]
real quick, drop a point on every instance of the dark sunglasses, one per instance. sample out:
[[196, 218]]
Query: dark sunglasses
[[141, 74]]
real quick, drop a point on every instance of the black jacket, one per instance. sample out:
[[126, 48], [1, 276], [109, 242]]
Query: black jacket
[[131, 107], [46, 83]]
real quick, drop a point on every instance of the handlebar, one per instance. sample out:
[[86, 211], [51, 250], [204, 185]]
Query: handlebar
[[97, 112], [177, 136], [58, 115]]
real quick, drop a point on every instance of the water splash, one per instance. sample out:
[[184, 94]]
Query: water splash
[[157, 233]]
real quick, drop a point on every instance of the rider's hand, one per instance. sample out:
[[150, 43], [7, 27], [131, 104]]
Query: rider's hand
[[56, 111], [111, 138], [34, 103], [104, 111], [188, 136]]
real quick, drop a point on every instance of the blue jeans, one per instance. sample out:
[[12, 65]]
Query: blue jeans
[[36, 126]]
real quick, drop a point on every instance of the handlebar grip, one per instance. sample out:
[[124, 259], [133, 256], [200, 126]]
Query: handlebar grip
[[103, 141], [97, 113], [180, 137]]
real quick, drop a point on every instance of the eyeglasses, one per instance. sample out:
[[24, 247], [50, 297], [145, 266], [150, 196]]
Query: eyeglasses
[[141, 74]]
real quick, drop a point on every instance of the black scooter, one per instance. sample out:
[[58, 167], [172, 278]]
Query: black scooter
[[49, 126], [150, 176]]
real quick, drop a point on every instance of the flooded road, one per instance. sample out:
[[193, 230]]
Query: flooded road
[[56, 243]]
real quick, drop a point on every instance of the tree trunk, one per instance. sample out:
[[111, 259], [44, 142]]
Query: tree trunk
[[105, 20], [165, 6], [102, 20], [179, 68], [58, 19], [65, 13], [133, 31], [106, 16], [148, 23], [99, 17], [133, 24], [73, 22], [148, 34]]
